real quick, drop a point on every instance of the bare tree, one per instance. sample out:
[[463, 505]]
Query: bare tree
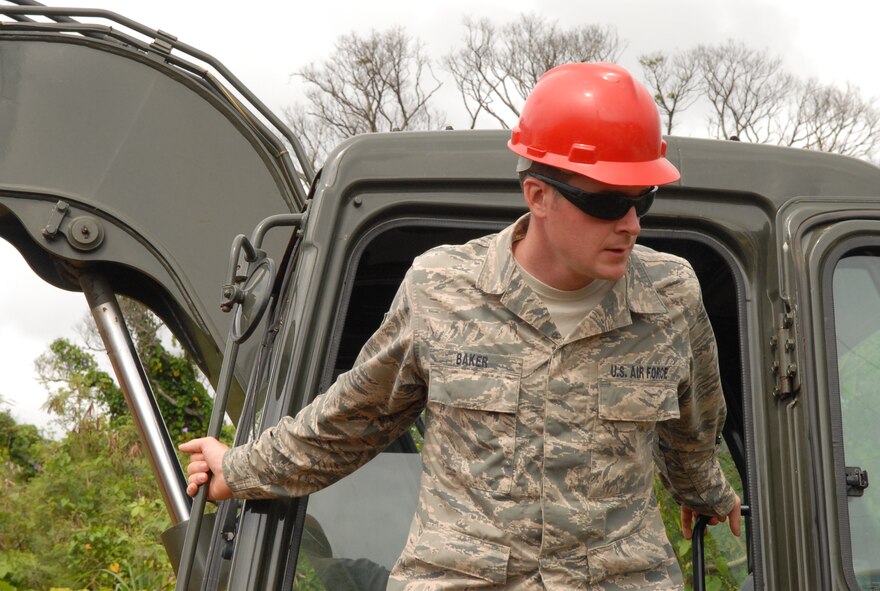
[[831, 119], [475, 71], [747, 89], [316, 138], [383, 82], [496, 69], [675, 81]]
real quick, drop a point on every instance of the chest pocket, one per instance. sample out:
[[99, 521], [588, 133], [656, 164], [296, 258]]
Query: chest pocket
[[630, 402], [641, 393], [471, 427]]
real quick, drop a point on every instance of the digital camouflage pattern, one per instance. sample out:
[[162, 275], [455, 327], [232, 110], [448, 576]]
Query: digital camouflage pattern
[[538, 453]]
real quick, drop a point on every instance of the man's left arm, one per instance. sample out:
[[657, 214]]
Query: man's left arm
[[687, 447]]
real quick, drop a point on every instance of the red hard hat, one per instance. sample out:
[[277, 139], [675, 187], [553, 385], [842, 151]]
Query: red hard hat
[[594, 120]]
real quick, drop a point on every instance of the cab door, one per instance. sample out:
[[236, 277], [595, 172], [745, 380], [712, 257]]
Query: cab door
[[831, 279]]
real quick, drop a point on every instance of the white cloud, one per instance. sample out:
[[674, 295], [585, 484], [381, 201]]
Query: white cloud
[[32, 314]]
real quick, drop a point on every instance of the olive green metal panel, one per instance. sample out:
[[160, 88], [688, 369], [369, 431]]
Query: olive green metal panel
[[169, 172], [775, 173]]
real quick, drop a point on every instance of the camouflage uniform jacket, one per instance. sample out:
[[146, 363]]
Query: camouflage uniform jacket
[[538, 452]]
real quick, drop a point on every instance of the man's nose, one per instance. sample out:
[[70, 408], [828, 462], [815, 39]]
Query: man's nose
[[630, 223]]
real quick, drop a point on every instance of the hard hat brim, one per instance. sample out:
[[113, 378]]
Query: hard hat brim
[[659, 171]]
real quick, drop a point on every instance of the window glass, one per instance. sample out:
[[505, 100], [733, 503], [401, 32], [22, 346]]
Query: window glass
[[856, 286], [355, 529]]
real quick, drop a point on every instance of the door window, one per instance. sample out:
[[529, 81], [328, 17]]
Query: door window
[[856, 289]]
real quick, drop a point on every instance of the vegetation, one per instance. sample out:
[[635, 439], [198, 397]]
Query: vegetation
[[89, 516], [84, 511], [726, 559]]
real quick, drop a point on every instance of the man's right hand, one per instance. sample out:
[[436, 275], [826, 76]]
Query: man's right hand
[[206, 465]]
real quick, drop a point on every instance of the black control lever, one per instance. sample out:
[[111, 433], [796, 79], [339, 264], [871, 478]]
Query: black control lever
[[697, 551]]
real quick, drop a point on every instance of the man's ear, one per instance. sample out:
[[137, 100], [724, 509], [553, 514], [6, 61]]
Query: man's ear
[[538, 196]]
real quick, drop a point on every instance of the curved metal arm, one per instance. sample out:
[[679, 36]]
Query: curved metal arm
[[165, 43]]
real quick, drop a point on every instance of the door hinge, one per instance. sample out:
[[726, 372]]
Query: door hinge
[[856, 481], [784, 346], [56, 216]]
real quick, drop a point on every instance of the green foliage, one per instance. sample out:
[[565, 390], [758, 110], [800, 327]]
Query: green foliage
[[726, 561], [19, 446], [182, 396], [80, 392], [98, 511], [305, 579], [84, 512]]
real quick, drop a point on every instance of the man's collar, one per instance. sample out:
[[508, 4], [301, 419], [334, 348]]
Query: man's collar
[[641, 297], [499, 265]]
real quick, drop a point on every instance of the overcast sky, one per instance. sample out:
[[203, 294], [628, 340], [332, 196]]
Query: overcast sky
[[834, 42]]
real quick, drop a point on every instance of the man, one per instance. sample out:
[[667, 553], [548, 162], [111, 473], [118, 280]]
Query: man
[[554, 361]]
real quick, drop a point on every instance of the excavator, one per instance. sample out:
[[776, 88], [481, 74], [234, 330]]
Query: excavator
[[134, 164]]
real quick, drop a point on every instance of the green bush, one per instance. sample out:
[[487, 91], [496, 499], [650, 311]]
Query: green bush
[[726, 563], [90, 517]]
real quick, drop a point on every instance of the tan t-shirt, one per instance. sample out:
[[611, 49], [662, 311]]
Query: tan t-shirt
[[567, 307]]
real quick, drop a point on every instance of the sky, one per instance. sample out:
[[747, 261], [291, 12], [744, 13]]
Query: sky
[[833, 42]]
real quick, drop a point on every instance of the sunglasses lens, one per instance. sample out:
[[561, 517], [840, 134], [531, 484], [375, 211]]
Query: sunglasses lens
[[609, 209], [613, 207], [645, 203], [605, 206]]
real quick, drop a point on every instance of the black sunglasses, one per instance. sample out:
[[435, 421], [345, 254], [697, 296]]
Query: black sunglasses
[[605, 205]]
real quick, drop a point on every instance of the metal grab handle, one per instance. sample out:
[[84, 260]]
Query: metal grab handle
[[697, 552], [187, 558], [234, 300]]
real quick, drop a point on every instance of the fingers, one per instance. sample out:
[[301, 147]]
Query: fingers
[[735, 525], [199, 478], [206, 466], [195, 481], [192, 446], [687, 517], [198, 466], [198, 471], [198, 445], [736, 518]]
